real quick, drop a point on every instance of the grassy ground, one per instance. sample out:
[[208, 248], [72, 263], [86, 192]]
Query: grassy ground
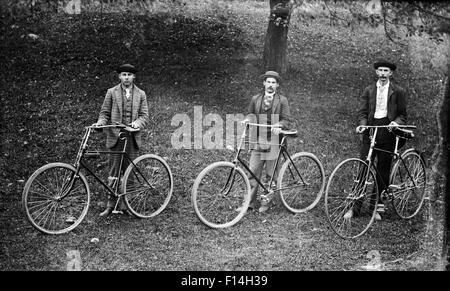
[[56, 84]]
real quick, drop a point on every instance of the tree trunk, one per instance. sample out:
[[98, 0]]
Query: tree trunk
[[445, 133], [275, 45]]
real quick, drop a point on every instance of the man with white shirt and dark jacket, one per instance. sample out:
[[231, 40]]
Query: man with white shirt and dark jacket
[[382, 103]]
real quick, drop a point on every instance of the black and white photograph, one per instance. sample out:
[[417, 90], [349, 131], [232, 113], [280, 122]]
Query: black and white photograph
[[224, 143]]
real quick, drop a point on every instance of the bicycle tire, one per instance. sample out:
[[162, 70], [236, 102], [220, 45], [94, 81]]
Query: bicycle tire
[[408, 199], [219, 203], [46, 208], [301, 182], [347, 188], [147, 186]]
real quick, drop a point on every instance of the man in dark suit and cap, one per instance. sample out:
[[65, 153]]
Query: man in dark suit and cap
[[382, 103], [124, 103]]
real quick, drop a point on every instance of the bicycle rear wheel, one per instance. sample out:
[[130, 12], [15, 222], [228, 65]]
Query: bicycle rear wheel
[[221, 195], [147, 186], [351, 198], [52, 204], [301, 182], [408, 181]]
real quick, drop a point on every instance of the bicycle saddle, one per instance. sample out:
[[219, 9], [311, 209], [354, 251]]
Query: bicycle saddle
[[290, 133], [403, 133]]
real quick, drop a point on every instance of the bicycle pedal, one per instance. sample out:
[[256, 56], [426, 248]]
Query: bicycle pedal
[[117, 212], [394, 187], [264, 199], [267, 197], [70, 220]]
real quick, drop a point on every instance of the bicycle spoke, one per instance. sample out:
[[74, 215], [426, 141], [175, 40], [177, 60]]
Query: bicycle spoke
[[409, 178], [301, 182], [347, 190], [36, 205], [45, 215], [45, 187], [48, 202], [219, 190], [138, 201], [148, 186], [42, 210]]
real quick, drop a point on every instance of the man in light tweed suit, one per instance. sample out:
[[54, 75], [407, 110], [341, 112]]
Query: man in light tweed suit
[[126, 104], [270, 108]]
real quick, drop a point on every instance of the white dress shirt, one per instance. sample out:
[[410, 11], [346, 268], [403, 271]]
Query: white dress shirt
[[268, 99], [382, 98]]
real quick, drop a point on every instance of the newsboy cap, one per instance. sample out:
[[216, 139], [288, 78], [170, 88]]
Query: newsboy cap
[[384, 63], [126, 68], [271, 74]]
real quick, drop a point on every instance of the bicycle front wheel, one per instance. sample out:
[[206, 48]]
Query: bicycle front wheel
[[147, 186], [56, 200], [221, 195], [301, 182], [351, 198], [408, 180]]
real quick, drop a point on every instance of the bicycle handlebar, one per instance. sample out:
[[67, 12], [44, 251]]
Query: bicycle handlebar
[[289, 132], [263, 125], [119, 125], [285, 132], [403, 131], [106, 126], [389, 126]]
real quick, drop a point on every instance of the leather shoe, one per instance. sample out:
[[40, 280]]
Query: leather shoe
[[123, 212], [265, 205], [251, 206], [377, 216], [106, 212], [263, 208], [348, 214]]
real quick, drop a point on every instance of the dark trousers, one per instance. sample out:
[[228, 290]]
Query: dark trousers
[[384, 140], [258, 161], [114, 159], [114, 162]]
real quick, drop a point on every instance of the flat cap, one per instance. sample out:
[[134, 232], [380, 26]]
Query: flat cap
[[126, 68], [384, 63]]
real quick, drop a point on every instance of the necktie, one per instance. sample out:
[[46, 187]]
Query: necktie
[[268, 102]]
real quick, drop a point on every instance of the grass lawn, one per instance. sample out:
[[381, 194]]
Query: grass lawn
[[56, 85]]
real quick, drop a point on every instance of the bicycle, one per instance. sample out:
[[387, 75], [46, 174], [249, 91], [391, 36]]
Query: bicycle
[[353, 185], [221, 192], [56, 197]]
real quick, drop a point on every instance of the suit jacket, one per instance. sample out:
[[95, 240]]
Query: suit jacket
[[280, 106], [396, 106], [112, 112]]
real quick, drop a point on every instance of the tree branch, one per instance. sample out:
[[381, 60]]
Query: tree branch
[[430, 12], [385, 24], [334, 14], [443, 27]]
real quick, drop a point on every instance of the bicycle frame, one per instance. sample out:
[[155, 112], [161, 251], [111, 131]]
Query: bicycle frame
[[395, 154], [282, 151], [83, 152]]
